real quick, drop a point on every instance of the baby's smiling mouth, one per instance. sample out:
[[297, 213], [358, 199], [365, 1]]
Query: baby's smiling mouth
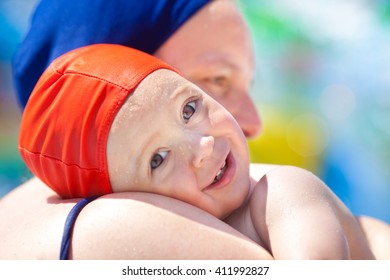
[[220, 173], [224, 175]]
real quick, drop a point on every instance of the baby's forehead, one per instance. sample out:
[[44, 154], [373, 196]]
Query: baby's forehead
[[160, 84], [150, 97]]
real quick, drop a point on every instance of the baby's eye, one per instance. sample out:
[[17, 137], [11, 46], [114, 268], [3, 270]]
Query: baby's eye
[[188, 110], [158, 159]]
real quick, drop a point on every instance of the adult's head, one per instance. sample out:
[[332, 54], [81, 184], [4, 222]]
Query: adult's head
[[214, 50], [106, 118], [207, 40]]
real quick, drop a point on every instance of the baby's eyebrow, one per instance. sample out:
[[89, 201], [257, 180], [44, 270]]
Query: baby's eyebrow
[[179, 91]]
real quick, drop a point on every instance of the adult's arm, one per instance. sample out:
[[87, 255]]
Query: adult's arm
[[116, 226], [148, 226]]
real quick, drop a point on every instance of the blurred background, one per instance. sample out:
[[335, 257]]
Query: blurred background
[[322, 88]]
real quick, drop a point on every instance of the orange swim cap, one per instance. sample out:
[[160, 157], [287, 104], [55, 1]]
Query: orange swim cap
[[65, 125]]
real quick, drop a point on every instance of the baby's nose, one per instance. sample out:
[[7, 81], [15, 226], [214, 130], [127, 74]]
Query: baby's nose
[[202, 150]]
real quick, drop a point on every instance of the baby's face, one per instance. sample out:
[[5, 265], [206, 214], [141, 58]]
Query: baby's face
[[170, 138]]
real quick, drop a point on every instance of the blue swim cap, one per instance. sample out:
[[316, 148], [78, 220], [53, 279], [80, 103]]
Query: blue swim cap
[[59, 26]]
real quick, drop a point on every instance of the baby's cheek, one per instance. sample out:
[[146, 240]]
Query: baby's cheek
[[183, 186]]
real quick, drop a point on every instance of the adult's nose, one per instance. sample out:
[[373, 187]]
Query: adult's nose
[[248, 118], [202, 149]]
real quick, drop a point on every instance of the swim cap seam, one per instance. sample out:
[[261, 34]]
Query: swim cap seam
[[90, 76], [58, 160]]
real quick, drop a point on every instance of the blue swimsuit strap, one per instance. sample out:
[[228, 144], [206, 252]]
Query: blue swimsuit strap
[[69, 224]]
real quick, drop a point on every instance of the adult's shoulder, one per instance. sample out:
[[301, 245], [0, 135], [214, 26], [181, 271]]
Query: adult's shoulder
[[258, 170], [32, 219]]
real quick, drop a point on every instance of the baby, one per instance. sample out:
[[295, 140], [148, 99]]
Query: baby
[[108, 118]]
